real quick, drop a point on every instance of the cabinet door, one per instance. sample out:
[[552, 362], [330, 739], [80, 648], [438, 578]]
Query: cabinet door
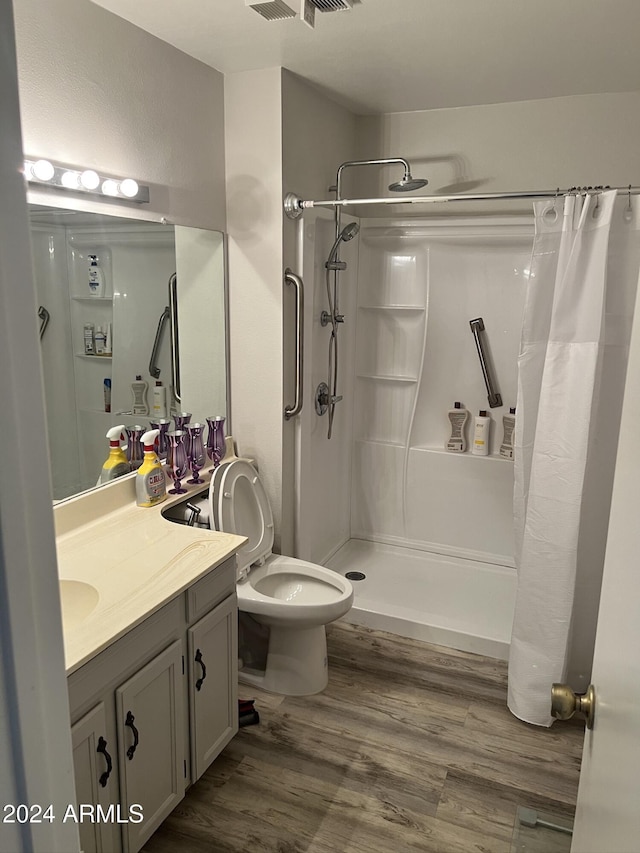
[[213, 683], [96, 781], [151, 744]]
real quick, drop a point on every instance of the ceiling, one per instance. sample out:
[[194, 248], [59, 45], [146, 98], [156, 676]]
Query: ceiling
[[400, 55]]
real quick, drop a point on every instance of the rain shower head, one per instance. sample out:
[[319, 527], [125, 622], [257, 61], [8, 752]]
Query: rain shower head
[[408, 183]]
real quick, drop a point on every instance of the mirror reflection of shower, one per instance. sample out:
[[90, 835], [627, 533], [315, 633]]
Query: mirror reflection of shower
[[334, 266]]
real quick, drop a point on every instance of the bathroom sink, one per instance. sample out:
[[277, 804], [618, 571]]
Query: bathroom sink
[[78, 600]]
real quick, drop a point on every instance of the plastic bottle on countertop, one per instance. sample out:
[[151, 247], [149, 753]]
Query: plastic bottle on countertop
[[151, 486], [116, 464]]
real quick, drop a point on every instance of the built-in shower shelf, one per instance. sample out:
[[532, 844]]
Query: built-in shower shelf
[[414, 308], [430, 448], [107, 415], [381, 441], [97, 299], [94, 357], [378, 377]]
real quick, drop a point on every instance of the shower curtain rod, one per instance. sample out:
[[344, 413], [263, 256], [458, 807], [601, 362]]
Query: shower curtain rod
[[294, 206]]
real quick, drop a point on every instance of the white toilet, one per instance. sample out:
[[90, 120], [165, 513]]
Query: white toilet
[[293, 598]]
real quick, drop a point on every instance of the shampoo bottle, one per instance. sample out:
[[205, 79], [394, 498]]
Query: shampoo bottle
[[159, 401], [508, 423], [116, 463], [481, 426], [99, 341], [96, 277], [151, 488], [139, 390], [458, 416]]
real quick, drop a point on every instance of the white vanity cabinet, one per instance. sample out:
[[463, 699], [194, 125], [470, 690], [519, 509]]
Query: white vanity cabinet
[[164, 698]]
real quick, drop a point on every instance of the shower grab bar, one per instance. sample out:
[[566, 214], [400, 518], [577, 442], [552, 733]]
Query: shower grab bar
[[44, 316], [154, 370], [175, 352], [493, 396], [291, 278]]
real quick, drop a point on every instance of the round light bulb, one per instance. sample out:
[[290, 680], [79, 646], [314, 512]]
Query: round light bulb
[[90, 180], [43, 170], [70, 180], [129, 187], [109, 187]]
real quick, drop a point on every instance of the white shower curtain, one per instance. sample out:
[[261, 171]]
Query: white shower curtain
[[558, 428]]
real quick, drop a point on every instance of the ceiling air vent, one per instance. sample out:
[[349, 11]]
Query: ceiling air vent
[[332, 5], [274, 10]]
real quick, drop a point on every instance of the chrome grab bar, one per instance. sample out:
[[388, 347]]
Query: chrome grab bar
[[296, 281], [154, 370], [175, 353], [44, 317], [493, 396]]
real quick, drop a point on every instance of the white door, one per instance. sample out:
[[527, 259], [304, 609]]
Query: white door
[[607, 815]]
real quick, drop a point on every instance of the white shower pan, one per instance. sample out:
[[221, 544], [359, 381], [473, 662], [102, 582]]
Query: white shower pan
[[459, 603]]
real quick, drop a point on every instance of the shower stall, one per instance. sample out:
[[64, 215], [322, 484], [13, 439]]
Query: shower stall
[[431, 532]]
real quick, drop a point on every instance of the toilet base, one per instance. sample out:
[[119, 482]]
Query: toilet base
[[296, 662]]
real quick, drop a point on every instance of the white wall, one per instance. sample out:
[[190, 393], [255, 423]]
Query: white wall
[[586, 139], [317, 136], [253, 128], [96, 91], [302, 139]]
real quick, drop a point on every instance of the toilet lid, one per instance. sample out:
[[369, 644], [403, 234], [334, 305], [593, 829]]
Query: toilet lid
[[243, 508], [214, 491]]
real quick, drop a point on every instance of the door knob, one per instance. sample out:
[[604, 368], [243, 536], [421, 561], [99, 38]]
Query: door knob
[[565, 703]]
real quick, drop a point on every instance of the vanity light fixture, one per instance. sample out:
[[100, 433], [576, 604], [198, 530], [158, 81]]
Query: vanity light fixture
[[84, 181]]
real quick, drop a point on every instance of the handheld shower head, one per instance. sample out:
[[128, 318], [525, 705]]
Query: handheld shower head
[[408, 183], [348, 233]]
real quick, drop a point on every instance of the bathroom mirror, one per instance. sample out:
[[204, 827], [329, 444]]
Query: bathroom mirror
[[96, 340]]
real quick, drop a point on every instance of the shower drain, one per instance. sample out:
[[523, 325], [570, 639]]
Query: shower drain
[[355, 576]]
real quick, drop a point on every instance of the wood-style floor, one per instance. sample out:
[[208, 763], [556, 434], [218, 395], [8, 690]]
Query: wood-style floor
[[410, 748]]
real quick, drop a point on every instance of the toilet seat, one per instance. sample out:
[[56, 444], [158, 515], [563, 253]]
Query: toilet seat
[[243, 508]]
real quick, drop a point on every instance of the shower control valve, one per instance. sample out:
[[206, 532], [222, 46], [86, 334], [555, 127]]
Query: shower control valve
[[325, 318]]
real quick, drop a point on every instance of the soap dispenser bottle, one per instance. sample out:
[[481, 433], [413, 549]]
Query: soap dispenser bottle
[[151, 487], [116, 463]]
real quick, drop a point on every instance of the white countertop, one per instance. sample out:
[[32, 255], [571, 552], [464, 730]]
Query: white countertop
[[135, 560]]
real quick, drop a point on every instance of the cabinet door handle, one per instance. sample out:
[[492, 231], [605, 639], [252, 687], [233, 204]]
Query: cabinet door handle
[[198, 659], [102, 747], [129, 722]]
